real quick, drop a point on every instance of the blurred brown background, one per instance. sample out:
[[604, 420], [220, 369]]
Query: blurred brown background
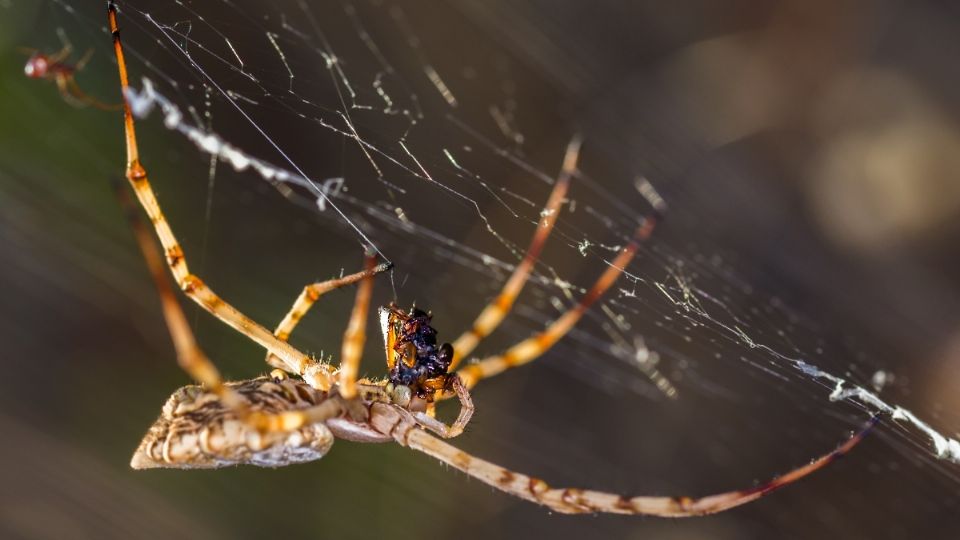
[[809, 153]]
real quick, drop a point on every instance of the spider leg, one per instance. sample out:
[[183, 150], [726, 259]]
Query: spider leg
[[576, 501], [189, 355], [463, 418], [495, 311], [315, 374], [70, 82], [63, 82], [355, 335], [72, 93], [530, 349], [61, 55], [311, 293], [83, 60], [192, 358]]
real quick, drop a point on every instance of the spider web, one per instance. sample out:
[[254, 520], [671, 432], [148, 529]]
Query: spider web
[[299, 132]]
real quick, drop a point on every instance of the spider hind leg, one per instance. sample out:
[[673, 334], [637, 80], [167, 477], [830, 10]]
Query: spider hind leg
[[578, 501]]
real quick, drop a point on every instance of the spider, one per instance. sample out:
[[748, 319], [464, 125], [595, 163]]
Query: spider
[[54, 67], [295, 414]]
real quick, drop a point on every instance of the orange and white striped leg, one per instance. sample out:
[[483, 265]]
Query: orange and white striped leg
[[189, 355], [578, 501], [192, 358], [493, 314], [531, 348], [356, 332], [295, 361], [311, 293]]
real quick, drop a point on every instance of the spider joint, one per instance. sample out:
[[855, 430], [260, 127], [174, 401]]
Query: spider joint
[[400, 394]]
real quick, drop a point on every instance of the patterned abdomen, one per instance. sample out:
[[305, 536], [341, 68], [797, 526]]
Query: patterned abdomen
[[196, 431]]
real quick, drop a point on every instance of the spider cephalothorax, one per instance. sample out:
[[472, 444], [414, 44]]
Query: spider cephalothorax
[[413, 356]]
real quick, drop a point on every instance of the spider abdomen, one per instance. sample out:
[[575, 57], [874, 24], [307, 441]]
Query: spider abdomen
[[196, 431]]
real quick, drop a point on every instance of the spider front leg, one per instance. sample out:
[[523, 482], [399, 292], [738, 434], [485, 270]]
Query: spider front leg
[[355, 334], [61, 55], [533, 347], [294, 360], [528, 350], [494, 313], [310, 294]]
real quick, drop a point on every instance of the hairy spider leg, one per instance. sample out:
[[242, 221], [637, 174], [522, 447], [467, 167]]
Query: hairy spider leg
[[532, 348], [578, 501], [316, 374], [192, 358], [355, 335], [493, 314], [310, 294]]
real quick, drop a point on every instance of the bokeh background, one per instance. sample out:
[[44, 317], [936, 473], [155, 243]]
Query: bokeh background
[[809, 152]]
